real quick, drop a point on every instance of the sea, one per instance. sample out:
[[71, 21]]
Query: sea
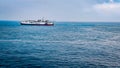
[[64, 45]]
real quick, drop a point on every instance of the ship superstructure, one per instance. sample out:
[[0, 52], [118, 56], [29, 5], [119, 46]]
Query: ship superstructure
[[37, 22]]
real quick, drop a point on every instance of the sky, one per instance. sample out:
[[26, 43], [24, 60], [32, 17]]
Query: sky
[[61, 10]]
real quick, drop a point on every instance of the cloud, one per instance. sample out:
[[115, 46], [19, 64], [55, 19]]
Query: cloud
[[107, 8], [106, 11]]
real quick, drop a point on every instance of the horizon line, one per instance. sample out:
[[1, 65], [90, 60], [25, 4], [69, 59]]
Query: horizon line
[[68, 21]]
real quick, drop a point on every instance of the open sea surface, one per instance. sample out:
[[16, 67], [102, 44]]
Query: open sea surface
[[64, 45]]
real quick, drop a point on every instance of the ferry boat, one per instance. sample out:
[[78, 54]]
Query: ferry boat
[[37, 22]]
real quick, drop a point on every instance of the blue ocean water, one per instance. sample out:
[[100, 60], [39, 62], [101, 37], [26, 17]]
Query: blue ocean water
[[64, 45]]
